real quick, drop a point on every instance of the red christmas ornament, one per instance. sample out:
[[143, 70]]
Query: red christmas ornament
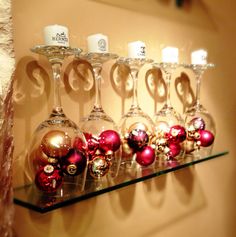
[[74, 163], [92, 143], [175, 149], [56, 143], [177, 134], [137, 139], [109, 140], [79, 144], [48, 179], [98, 166], [146, 156], [206, 138]]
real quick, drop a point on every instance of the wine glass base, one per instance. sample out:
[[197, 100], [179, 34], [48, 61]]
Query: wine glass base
[[55, 54], [97, 57]]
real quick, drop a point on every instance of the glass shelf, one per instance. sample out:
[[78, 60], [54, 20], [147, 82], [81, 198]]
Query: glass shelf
[[28, 197]]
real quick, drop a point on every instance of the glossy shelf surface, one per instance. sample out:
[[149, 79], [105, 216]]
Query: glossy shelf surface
[[28, 197]]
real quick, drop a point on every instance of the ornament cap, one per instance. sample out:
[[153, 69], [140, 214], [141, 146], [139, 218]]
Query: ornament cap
[[71, 169], [48, 169]]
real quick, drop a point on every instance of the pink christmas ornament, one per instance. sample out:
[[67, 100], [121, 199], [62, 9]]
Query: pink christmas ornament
[[146, 156], [109, 140], [177, 134], [206, 138], [175, 149]]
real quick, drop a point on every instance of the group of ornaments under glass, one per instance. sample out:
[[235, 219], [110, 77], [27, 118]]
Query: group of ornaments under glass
[[64, 156]]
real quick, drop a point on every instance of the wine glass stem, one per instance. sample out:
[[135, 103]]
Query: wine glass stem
[[97, 77], [168, 79], [56, 69], [198, 86], [134, 75]]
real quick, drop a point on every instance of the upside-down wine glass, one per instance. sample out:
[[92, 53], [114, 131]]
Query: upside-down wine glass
[[100, 130], [57, 160], [136, 127], [170, 131], [199, 123]]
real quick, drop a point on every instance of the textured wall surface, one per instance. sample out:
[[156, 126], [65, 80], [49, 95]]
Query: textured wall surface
[[193, 202], [7, 63]]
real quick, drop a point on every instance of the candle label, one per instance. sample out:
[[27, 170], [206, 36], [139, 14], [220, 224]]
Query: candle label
[[60, 38], [142, 51], [102, 45]]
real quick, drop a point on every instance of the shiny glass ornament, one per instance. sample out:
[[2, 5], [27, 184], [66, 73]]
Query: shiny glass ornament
[[136, 127], [199, 123], [170, 131], [100, 130], [57, 145]]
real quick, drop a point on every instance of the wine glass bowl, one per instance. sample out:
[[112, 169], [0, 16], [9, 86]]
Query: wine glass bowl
[[199, 123], [100, 130], [136, 127], [170, 131], [57, 159]]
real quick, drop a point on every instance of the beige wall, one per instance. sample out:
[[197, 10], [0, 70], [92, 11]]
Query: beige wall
[[194, 202]]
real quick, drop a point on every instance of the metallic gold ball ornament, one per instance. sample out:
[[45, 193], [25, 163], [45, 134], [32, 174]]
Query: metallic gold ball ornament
[[74, 163], [56, 143], [138, 126], [40, 159], [189, 146], [162, 145], [126, 150], [48, 179], [98, 166]]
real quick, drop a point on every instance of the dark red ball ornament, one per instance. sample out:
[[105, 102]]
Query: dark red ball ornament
[[137, 139], [206, 138], [177, 134], [109, 140], [146, 156], [48, 179], [175, 149], [74, 163]]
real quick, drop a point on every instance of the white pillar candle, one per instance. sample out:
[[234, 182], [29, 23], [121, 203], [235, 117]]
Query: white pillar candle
[[199, 57], [56, 35], [136, 49], [97, 43], [170, 55]]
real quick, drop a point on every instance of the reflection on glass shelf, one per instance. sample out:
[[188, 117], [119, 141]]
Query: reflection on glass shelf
[[29, 197]]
